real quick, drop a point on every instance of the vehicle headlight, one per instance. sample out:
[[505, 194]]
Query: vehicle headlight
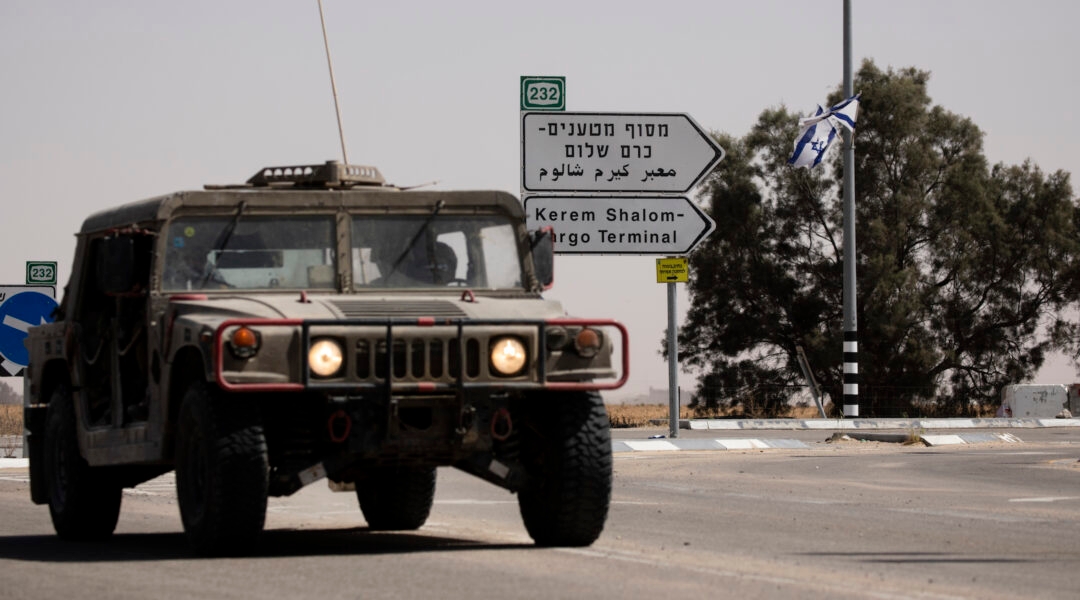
[[325, 358], [507, 355]]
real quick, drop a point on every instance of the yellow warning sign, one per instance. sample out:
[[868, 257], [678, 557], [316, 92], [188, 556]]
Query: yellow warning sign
[[672, 270]]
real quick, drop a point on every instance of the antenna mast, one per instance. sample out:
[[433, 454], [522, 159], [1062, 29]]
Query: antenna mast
[[333, 86]]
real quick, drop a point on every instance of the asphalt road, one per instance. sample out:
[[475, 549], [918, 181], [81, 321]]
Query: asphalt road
[[845, 520]]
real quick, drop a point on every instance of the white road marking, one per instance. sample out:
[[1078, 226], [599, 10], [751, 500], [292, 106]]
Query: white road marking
[[470, 501], [138, 492], [309, 511], [646, 445], [742, 444], [1045, 499], [943, 439]]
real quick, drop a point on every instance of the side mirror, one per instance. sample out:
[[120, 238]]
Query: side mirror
[[543, 254], [116, 265]]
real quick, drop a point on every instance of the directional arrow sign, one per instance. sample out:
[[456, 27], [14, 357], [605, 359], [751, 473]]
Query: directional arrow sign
[[21, 307], [660, 153], [672, 270], [620, 225]]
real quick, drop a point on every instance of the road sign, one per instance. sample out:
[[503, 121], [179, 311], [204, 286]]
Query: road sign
[[543, 93], [614, 152], [40, 272], [672, 270], [620, 224], [21, 307]]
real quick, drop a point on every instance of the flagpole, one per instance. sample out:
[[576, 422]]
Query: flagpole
[[851, 327]]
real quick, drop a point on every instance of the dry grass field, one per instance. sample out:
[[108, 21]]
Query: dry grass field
[[11, 429], [11, 419], [642, 415], [639, 415]]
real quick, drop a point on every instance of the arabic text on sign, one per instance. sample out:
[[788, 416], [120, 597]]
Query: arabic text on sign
[[575, 170]]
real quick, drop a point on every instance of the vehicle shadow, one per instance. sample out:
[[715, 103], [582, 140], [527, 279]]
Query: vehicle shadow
[[275, 543]]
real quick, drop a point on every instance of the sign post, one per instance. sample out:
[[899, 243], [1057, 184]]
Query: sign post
[[673, 363], [21, 307], [672, 270], [611, 183]]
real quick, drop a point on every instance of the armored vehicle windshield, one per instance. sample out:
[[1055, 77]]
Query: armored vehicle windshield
[[413, 251], [250, 252]]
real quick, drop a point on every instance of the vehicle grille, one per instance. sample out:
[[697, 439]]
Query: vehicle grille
[[417, 358]]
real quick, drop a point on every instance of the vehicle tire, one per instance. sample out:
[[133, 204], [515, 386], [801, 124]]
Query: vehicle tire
[[222, 471], [567, 455], [84, 502], [397, 499]]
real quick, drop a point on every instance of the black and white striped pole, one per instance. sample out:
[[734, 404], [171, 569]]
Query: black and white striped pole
[[851, 325]]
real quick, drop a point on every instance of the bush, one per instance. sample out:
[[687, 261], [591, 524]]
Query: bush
[[11, 430]]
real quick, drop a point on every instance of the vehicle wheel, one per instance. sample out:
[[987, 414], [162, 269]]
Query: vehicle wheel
[[397, 499], [84, 502], [222, 471], [567, 455]]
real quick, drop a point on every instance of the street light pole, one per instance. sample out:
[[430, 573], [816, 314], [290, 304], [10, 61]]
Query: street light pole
[[851, 325]]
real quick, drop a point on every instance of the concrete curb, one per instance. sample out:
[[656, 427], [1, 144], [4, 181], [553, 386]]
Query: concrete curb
[[945, 439], [702, 444], [665, 445], [849, 424]]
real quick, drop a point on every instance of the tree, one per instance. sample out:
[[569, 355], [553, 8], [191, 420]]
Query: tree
[[8, 395], [964, 271]]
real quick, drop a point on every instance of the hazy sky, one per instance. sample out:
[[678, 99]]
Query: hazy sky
[[103, 103]]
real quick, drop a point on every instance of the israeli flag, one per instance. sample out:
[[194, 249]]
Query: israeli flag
[[844, 114], [818, 131], [814, 140]]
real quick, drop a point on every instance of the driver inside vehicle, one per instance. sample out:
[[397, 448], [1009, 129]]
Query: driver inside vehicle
[[419, 266], [185, 269]]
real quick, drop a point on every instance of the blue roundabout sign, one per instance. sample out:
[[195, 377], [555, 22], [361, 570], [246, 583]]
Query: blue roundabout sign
[[21, 307]]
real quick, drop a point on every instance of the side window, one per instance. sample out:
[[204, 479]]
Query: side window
[[112, 319], [92, 299], [123, 264]]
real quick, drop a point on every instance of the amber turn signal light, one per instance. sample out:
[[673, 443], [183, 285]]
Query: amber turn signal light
[[244, 342]]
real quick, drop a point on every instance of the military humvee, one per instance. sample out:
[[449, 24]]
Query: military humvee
[[316, 322]]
